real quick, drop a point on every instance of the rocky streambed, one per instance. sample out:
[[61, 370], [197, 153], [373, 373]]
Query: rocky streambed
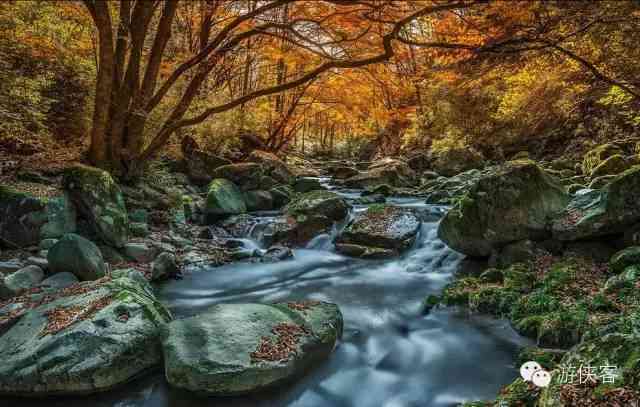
[[355, 325]]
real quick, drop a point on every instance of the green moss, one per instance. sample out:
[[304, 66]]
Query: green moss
[[457, 293], [518, 393], [492, 275], [558, 277], [377, 208], [519, 278], [536, 303], [493, 300], [547, 358], [563, 328], [602, 303]]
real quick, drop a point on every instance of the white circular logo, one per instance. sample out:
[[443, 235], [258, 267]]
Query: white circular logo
[[528, 369], [541, 378]]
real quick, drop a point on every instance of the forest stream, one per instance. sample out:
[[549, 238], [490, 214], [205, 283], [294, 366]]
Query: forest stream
[[390, 355]]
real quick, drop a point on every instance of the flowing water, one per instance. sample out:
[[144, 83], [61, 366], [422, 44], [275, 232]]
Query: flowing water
[[390, 354]]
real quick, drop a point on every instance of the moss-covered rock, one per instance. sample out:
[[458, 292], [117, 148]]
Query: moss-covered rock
[[99, 200], [611, 166], [392, 172], [258, 200], [603, 212], [200, 166], [611, 350], [318, 203], [625, 258], [21, 217], [382, 227], [246, 176], [518, 393], [223, 199], [514, 202], [453, 161], [273, 166], [595, 157], [90, 339], [240, 348]]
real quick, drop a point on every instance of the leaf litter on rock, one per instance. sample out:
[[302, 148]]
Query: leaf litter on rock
[[283, 346]]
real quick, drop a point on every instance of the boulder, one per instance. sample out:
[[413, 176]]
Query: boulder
[[390, 228], [596, 156], [83, 341], [246, 176], [389, 171], [23, 280], [600, 182], [244, 348], [61, 218], [201, 165], [282, 195], [99, 200], [164, 266], [273, 166], [276, 253], [258, 200], [140, 252], [302, 185], [516, 252], [610, 210], [318, 203], [625, 258], [611, 166], [77, 255], [21, 217], [59, 281], [342, 172], [11, 266], [453, 161], [510, 203], [223, 199], [447, 191], [419, 162]]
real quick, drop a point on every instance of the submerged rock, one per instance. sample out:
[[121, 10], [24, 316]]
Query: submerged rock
[[244, 348], [99, 200], [87, 340], [513, 202], [380, 231]]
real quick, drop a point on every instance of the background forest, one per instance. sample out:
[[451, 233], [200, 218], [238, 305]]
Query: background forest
[[549, 77]]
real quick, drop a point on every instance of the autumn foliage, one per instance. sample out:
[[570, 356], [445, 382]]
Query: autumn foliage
[[125, 79]]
